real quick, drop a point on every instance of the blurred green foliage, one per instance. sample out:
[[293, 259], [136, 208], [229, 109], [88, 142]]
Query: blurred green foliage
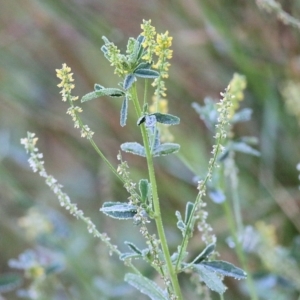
[[212, 40]]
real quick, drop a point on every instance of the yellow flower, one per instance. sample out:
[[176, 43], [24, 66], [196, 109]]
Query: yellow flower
[[66, 82], [149, 33], [237, 86]]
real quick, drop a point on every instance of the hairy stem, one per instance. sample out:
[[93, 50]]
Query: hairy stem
[[156, 205]]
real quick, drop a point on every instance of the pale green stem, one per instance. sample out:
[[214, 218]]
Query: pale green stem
[[92, 142], [156, 205], [191, 222]]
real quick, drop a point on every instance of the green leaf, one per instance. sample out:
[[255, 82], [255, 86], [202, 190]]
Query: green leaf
[[127, 255], [146, 73], [134, 148], [106, 40], [243, 115], [140, 40], [141, 120], [167, 119], [89, 96], [135, 49], [244, 148], [119, 210], [204, 254], [165, 149], [104, 50], [98, 87], [144, 189], [143, 65], [210, 278], [124, 111], [146, 286], [128, 81], [181, 226], [188, 210], [225, 268], [9, 282], [133, 247], [111, 92]]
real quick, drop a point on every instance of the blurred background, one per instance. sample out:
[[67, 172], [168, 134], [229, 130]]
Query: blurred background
[[212, 39]]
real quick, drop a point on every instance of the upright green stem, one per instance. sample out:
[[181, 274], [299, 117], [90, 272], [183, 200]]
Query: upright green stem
[[191, 222], [158, 218]]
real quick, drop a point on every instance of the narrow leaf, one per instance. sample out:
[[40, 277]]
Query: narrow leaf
[[105, 39], [140, 40], [134, 148], [146, 73], [204, 254], [143, 65], [166, 119], [146, 286], [98, 87], [210, 278], [89, 96], [104, 49], [225, 268], [128, 81], [119, 210], [144, 189], [188, 210], [111, 92], [141, 120], [124, 112], [243, 115], [127, 255], [133, 247], [244, 148], [165, 149], [181, 226]]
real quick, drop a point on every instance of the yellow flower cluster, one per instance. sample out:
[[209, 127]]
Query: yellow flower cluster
[[149, 42], [66, 82], [237, 85], [67, 86], [158, 44], [163, 43]]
